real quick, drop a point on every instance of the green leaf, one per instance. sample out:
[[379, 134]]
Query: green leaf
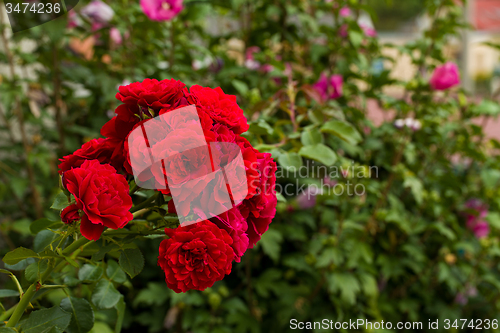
[[35, 270], [290, 161], [261, 127], [347, 284], [343, 130], [82, 315], [21, 253], [132, 261], [115, 273], [120, 310], [103, 250], [46, 319], [488, 108], [311, 136], [43, 239], [319, 152], [356, 38], [8, 293], [60, 202], [90, 273], [42, 224], [271, 243], [7, 330], [105, 295], [241, 86]]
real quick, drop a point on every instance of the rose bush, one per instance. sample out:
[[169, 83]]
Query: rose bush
[[394, 220]]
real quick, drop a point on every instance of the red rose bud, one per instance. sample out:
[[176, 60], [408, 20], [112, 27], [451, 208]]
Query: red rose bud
[[70, 214]]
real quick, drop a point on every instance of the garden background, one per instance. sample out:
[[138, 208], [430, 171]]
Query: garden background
[[420, 242]]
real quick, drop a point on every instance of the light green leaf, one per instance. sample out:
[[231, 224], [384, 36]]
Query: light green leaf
[[115, 273], [131, 261], [343, 130], [82, 315], [21, 253], [47, 319], [290, 161], [356, 38], [241, 86], [319, 152], [8, 293], [105, 295], [120, 309], [311, 136], [90, 273]]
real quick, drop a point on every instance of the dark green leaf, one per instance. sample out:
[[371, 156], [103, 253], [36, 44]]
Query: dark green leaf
[[46, 319], [60, 202], [132, 261], [82, 315], [42, 224]]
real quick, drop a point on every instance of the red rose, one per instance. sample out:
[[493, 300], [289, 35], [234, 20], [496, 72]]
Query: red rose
[[153, 94], [70, 214], [196, 256], [222, 108], [101, 194], [106, 151], [236, 226], [260, 210]]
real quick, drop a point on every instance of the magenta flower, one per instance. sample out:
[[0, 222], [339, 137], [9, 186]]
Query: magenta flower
[[329, 88], [445, 76], [343, 32], [475, 213], [97, 11], [336, 83], [322, 87], [161, 10], [345, 12]]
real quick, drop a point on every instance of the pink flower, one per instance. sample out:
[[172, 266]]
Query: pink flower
[[74, 20], [445, 76], [344, 30], [345, 12], [307, 199], [161, 10], [329, 88], [336, 83], [98, 11], [116, 35], [476, 211], [369, 31]]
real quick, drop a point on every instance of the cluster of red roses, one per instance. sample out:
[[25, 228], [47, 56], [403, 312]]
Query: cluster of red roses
[[197, 255]]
